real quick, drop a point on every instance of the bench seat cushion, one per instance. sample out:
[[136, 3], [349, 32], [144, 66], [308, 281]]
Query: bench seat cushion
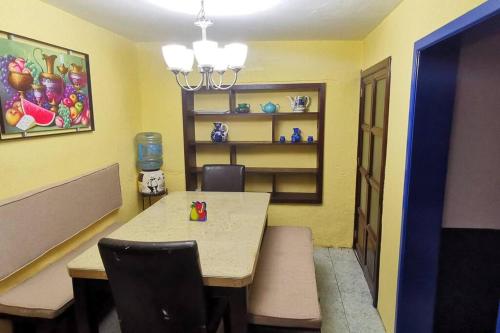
[[284, 292], [48, 293]]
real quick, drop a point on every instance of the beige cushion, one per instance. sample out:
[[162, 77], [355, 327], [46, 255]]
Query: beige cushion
[[33, 223], [49, 292], [284, 290]]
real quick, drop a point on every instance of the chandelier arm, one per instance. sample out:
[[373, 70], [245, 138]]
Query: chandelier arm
[[186, 83], [190, 88], [208, 81], [183, 87], [221, 78], [232, 83], [212, 81]]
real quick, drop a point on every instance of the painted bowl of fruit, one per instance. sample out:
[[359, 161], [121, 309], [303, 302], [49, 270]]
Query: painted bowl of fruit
[[20, 81], [78, 79]]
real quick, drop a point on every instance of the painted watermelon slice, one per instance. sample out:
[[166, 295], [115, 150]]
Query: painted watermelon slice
[[43, 117]]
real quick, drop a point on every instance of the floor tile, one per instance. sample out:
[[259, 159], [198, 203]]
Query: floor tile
[[332, 309], [361, 316]]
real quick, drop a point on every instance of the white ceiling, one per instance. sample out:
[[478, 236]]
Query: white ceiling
[[142, 21]]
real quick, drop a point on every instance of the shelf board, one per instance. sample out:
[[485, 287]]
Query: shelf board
[[255, 114], [278, 87], [294, 197], [248, 88], [275, 171], [252, 143]]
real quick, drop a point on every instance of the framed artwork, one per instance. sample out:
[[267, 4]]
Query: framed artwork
[[44, 89]]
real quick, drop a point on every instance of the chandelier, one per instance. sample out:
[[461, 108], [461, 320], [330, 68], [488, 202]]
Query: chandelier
[[213, 61]]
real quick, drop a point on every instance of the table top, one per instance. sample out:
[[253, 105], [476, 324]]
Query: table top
[[228, 242]]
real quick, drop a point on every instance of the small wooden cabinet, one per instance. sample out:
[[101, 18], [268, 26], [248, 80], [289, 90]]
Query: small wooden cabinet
[[291, 172]]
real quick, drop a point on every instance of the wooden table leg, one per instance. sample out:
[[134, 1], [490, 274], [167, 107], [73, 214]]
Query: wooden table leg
[[85, 322], [237, 317]]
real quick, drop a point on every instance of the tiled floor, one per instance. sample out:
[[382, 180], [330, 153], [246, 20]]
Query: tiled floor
[[346, 303]]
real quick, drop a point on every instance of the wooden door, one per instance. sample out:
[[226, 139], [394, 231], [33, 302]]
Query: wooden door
[[370, 173]]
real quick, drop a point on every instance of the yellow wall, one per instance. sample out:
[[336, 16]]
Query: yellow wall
[[29, 164], [395, 36], [336, 63], [144, 96]]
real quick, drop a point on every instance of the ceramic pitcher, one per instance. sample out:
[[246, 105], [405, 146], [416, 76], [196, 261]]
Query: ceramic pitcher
[[220, 132], [299, 103]]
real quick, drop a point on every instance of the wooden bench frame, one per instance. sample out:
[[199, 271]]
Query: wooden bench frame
[[37, 325]]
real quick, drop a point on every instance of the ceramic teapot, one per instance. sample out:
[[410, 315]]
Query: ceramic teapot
[[220, 132], [299, 103], [270, 107]]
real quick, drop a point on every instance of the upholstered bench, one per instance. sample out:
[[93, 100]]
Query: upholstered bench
[[283, 296], [35, 223]]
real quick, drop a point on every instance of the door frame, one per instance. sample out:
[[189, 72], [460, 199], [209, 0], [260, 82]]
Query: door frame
[[382, 65], [422, 203]]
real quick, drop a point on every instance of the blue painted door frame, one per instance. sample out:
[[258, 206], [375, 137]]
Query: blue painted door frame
[[498, 319], [431, 106]]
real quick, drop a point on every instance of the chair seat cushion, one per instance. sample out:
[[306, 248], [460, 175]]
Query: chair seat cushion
[[284, 290], [48, 293]]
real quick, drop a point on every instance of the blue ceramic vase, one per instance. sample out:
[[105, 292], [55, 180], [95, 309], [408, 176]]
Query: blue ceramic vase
[[296, 137]]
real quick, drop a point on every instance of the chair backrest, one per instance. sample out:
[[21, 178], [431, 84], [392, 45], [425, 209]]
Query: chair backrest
[[33, 223], [223, 178], [157, 287]]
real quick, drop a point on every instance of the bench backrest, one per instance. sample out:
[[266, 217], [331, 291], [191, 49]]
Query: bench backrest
[[33, 223]]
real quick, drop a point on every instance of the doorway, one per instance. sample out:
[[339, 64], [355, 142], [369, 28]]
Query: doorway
[[425, 239], [370, 170]]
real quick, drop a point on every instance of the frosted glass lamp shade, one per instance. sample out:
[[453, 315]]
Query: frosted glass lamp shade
[[178, 58], [221, 60], [188, 61], [173, 55], [205, 52], [236, 55]]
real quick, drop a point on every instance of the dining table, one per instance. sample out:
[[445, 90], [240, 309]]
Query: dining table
[[228, 242]]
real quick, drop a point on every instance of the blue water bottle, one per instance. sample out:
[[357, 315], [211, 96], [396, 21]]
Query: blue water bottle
[[149, 151]]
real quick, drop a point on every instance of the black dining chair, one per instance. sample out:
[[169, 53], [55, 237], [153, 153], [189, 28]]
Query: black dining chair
[[223, 178], [158, 287]]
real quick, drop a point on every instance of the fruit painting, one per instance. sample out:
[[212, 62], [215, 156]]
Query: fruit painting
[[44, 89]]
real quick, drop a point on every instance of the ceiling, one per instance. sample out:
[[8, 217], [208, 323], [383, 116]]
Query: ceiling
[[142, 21]]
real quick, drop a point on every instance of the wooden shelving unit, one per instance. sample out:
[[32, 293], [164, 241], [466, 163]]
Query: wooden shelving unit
[[191, 145], [256, 115], [273, 171], [252, 143]]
